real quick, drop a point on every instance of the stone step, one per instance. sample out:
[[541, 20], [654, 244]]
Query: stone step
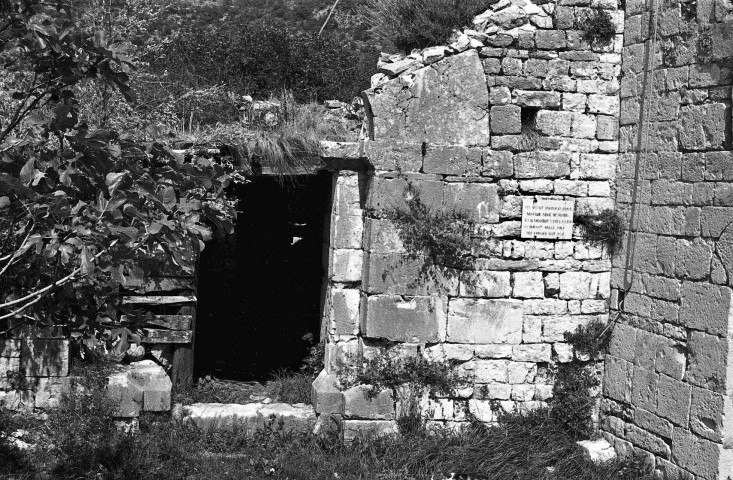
[[299, 417], [141, 386]]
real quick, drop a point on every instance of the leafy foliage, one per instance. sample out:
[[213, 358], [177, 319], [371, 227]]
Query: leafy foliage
[[572, 402], [388, 371], [409, 24], [605, 228], [599, 28], [591, 340], [573, 399], [260, 59], [444, 237], [83, 210]]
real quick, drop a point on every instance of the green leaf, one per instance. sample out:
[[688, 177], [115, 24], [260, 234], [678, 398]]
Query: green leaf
[[113, 180], [169, 197], [4, 202], [27, 172], [87, 266]]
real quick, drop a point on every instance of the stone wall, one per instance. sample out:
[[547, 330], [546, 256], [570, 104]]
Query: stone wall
[[449, 121], [667, 382], [33, 371]]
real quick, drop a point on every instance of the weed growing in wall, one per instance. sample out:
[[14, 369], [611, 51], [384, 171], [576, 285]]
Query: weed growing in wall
[[410, 379], [573, 400], [704, 44], [590, 340], [392, 372], [530, 135], [600, 29], [443, 237], [605, 228]]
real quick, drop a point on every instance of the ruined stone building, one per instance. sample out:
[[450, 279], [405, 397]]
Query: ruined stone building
[[522, 107]]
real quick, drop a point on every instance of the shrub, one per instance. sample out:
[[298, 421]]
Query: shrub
[[443, 237], [572, 403], [600, 29], [591, 340], [260, 60], [605, 228], [387, 371], [409, 24]]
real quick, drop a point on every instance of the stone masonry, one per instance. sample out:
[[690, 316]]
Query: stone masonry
[[667, 379], [518, 107]]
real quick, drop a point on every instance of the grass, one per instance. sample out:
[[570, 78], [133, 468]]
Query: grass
[[290, 387], [286, 147], [520, 448]]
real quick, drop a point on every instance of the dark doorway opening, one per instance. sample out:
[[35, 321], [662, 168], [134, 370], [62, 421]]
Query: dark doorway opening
[[259, 290]]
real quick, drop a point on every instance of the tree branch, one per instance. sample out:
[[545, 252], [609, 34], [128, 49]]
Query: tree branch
[[68, 278]]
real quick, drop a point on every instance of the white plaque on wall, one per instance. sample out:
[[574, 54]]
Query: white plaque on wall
[[544, 218]]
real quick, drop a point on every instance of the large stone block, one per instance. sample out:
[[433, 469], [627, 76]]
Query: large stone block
[[394, 155], [345, 311], [528, 285], [644, 388], [485, 284], [551, 122], [531, 98], [699, 456], [368, 428], [555, 327], [673, 400], [484, 321], [10, 348], [447, 103], [542, 164], [383, 237], [418, 320], [705, 307], [9, 365], [575, 285], [452, 160], [618, 375], [386, 194], [326, 396], [487, 371], [347, 197], [598, 166], [346, 265], [539, 352], [126, 393], [407, 275], [480, 201], [707, 414], [45, 357], [348, 231], [49, 391], [506, 119], [708, 361], [702, 127], [497, 163], [358, 404]]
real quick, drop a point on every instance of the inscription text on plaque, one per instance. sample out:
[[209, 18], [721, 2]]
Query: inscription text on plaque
[[544, 218]]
